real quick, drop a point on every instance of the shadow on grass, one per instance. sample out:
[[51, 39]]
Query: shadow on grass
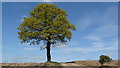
[[108, 67]]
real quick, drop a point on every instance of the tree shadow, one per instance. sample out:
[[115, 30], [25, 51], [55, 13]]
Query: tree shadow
[[108, 67]]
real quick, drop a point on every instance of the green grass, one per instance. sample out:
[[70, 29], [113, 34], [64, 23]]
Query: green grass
[[54, 63]]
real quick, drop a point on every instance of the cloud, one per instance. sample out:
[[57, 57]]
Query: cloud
[[98, 44], [60, 45], [108, 30], [101, 20], [108, 24], [22, 19], [92, 37], [67, 53], [22, 59], [85, 22], [44, 46], [30, 48], [93, 48], [48, 1]]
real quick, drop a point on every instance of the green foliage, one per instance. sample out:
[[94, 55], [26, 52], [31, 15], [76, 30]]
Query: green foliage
[[54, 63], [104, 59], [46, 23]]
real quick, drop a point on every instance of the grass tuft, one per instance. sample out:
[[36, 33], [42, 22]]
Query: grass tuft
[[53, 63]]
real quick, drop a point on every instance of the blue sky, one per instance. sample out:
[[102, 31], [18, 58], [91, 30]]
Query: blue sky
[[0, 32], [97, 32]]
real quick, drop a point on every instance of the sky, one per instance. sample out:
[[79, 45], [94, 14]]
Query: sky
[[96, 34], [0, 32]]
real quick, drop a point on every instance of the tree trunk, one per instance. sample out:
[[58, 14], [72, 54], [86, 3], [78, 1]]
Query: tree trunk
[[102, 64], [48, 52]]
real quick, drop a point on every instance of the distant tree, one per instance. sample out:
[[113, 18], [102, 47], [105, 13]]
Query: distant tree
[[104, 59], [48, 24]]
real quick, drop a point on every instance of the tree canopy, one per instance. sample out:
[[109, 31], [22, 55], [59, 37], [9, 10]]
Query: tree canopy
[[47, 23], [104, 59]]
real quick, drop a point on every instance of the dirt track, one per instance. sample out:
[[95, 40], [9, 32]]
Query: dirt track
[[73, 65], [70, 64]]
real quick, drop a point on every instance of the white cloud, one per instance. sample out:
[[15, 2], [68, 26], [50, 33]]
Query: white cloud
[[107, 31], [47, 0], [92, 37], [104, 21], [85, 22], [95, 47], [22, 19], [60, 44], [44, 46], [30, 48], [97, 41], [109, 23], [23, 59], [98, 44], [67, 53]]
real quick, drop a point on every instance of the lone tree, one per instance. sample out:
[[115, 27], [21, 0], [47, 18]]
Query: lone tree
[[47, 24], [104, 59]]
